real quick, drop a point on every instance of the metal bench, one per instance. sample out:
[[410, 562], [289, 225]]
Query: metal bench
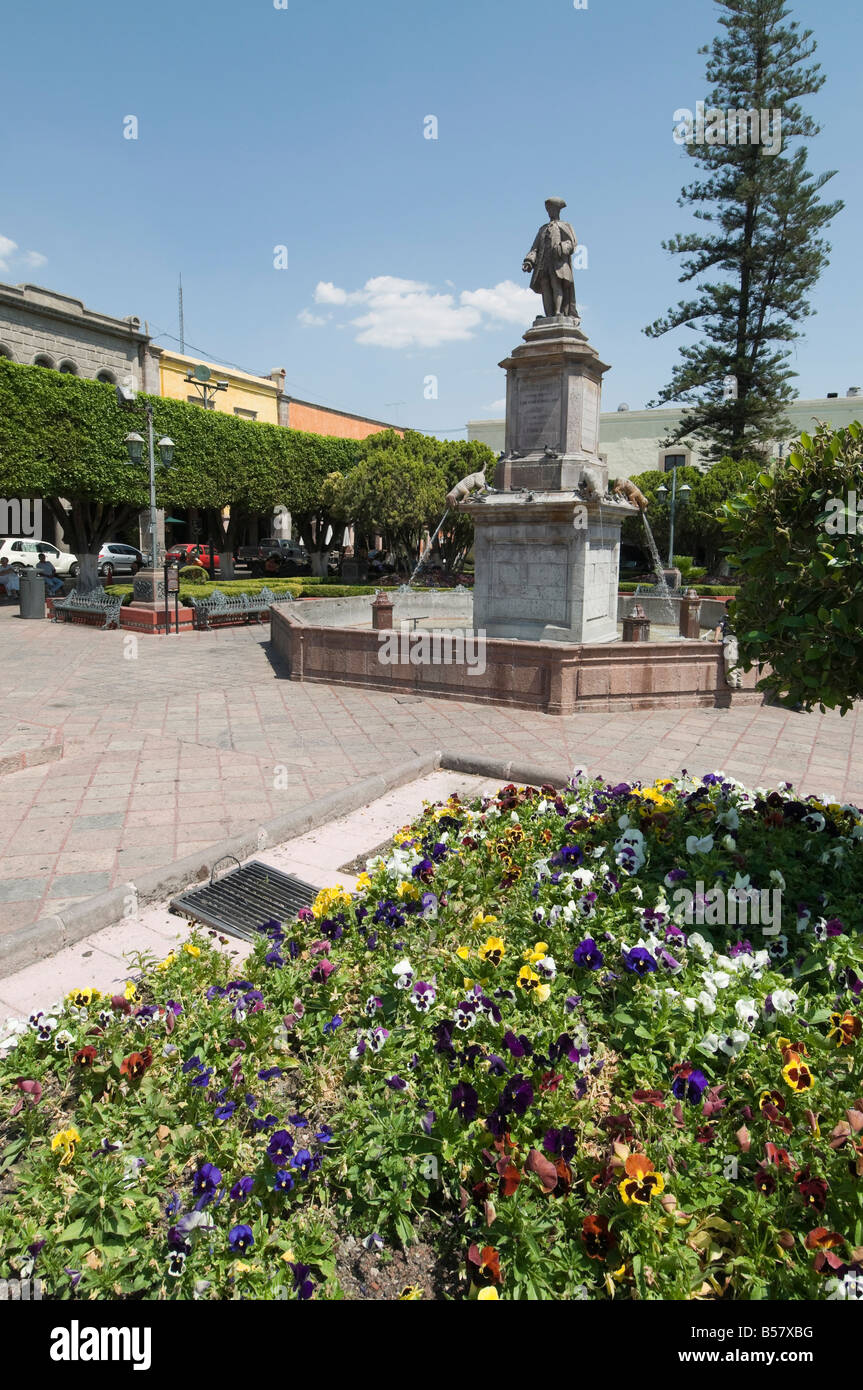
[[94, 603], [236, 607]]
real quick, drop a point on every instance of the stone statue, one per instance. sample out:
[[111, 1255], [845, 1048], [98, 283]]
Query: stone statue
[[624, 487], [550, 261], [464, 488]]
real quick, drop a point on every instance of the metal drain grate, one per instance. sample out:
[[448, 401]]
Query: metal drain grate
[[244, 898]]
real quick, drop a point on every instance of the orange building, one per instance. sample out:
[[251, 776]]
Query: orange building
[[323, 419]]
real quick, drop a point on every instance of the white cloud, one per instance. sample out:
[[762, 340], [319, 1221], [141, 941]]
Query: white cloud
[[505, 302], [9, 253], [7, 249], [310, 320], [328, 293], [402, 313], [497, 405], [407, 313]]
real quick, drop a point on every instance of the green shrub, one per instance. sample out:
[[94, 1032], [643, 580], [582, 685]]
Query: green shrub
[[194, 574]]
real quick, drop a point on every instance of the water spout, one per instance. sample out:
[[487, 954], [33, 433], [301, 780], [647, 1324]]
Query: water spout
[[662, 589]]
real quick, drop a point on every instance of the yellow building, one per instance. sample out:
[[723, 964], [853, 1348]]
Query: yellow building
[[227, 388]]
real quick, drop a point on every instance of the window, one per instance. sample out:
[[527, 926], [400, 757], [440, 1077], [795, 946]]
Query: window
[[107, 377], [43, 360], [196, 400], [673, 461], [246, 414], [6, 351], [69, 367]]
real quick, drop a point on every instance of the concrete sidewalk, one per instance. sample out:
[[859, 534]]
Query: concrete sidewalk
[[103, 959]]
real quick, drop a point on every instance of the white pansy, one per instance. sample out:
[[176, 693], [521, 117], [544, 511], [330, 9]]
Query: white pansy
[[699, 845], [403, 971], [747, 1011], [702, 946], [776, 877], [734, 1042], [709, 1044], [784, 1000], [707, 1002], [729, 819]]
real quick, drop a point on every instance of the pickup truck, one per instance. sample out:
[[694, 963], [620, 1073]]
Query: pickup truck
[[288, 553]]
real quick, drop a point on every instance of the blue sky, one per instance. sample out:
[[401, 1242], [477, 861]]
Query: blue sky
[[303, 127]]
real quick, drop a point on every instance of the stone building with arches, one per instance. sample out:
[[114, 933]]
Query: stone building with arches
[[41, 328]]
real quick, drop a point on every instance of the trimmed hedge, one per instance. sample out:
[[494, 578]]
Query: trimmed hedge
[[704, 590]]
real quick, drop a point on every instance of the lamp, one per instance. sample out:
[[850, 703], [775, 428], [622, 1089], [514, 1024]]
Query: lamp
[[166, 450], [135, 445]]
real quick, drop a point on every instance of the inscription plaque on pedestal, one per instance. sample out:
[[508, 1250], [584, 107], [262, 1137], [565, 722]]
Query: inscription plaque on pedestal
[[539, 412]]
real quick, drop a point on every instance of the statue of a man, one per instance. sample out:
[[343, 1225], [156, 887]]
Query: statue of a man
[[550, 260]]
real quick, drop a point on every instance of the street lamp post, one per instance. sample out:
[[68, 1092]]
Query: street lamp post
[[127, 399], [135, 445], [662, 493]]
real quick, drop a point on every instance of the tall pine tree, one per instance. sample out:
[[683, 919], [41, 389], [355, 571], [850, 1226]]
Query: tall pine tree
[[762, 250]]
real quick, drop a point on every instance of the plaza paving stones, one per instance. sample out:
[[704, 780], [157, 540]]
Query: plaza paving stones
[[171, 744], [103, 959]]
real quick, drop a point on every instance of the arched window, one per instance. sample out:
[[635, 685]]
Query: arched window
[[43, 360], [107, 377], [6, 351], [68, 366]]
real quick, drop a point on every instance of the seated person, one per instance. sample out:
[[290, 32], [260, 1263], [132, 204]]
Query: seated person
[[273, 564], [53, 585], [9, 584]]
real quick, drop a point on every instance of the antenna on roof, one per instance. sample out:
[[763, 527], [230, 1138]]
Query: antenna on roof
[[182, 321]]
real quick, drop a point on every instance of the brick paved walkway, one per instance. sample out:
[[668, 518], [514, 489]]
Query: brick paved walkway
[[186, 740]]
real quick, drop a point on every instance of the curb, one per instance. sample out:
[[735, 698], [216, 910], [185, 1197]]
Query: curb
[[49, 935]]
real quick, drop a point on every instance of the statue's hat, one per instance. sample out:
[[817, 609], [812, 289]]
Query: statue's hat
[[555, 202]]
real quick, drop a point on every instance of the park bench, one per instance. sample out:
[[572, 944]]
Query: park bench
[[219, 607], [95, 603]]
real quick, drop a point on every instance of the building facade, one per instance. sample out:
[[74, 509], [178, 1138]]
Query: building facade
[[250, 397], [630, 441], [41, 328]]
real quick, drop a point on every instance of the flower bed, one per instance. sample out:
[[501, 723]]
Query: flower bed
[[517, 1051]]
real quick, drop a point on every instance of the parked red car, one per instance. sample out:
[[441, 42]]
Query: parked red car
[[189, 553]]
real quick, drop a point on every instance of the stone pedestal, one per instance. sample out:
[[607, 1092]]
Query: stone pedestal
[[546, 566], [553, 391], [148, 586], [547, 540]]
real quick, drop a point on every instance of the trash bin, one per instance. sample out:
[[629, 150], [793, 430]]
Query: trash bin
[[32, 595]]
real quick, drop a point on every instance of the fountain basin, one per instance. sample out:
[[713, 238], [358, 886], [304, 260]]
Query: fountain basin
[[330, 641]]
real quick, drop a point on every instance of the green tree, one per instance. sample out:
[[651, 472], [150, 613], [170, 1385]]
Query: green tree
[[399, 488], [798, 542], [762, 248], [61, 439]]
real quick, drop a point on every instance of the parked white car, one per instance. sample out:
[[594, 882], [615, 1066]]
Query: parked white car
[[24, 554]]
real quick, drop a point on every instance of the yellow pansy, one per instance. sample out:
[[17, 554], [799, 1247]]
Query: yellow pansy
[[82, 998], [330, 900], [493, 951], [164, 964], [539, 952], [363, 882], [480, 921], [408, 889], [411, 1293], [488, 1295], [463, 952], [191, 950], [66, 1140]]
